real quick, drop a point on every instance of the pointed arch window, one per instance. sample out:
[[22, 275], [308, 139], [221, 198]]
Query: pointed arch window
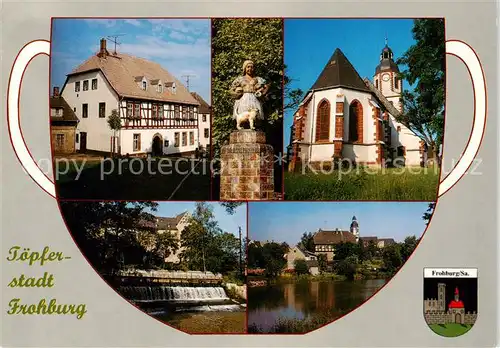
[[356, 122], [323, 121]]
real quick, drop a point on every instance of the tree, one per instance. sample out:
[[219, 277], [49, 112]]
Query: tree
[[115, 124], [428, 214], [107, 231], [293, 97], [348, 266], [274, 260], [392, 257], [372, 249], [322, 263], [408, 246], [300, 266], [344, 250], [307, 241], [231, 206], [425, 62]]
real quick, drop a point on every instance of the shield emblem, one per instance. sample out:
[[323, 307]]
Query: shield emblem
[[450, 300]]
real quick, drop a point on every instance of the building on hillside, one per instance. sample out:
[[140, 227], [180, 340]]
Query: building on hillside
[[174, 225], [204, 120], [298, 253], [158, 114], [344, 116], [63, 123]]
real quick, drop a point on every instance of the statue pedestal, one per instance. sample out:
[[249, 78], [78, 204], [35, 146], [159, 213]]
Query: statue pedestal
[[247, 167]]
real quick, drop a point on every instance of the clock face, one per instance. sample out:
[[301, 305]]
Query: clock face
[[385, 77]]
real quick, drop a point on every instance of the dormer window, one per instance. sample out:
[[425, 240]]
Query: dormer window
[[144, 85], [56, 112], [174, 88], [160, 88]]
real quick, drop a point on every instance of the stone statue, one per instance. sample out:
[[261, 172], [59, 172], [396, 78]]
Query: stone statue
[[248, 90]]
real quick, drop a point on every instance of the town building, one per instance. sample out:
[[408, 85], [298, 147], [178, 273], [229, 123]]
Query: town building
[[158, 114], [204, 119], [63, 123], [326, 240], [298, 253], [344, 116], [174, 225]]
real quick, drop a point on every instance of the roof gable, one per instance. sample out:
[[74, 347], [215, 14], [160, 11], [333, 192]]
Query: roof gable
[[123, 71], [58, 102], [204, 107], [339, 72]]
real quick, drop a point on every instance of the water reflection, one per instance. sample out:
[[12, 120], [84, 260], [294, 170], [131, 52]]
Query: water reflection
[[303, 299]]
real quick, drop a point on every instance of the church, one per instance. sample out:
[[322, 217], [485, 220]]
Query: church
[[344, 116]]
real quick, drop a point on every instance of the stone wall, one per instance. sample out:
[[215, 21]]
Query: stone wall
[[437, 317], [68, 136], [247, 167]]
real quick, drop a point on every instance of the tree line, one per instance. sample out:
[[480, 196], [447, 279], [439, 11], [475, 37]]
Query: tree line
[[117, 235]]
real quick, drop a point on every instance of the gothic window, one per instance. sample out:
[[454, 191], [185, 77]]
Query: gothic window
[[355, 122], [376, 84], [323, 121]]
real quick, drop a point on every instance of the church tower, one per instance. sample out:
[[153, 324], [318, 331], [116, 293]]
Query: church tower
[[355, 228], [386, 78]]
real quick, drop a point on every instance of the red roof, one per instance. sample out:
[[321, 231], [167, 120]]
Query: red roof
[[456, 304]]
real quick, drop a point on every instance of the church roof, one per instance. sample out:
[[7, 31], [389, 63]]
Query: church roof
[[339, 72], [387, 104], [386, 64]]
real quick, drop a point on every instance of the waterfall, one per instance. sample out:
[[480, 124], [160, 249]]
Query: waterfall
[[173, 293]]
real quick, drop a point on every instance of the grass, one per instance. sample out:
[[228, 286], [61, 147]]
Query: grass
[[156, 181], [287, 325], [208, 322], [397, 184], [450, 330]]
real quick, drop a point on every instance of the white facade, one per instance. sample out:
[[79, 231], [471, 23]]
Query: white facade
[[137, 135], [98, 133], [204, 130], [183, 222]]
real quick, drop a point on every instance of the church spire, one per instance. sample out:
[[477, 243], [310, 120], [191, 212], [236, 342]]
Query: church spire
[[386, 39]]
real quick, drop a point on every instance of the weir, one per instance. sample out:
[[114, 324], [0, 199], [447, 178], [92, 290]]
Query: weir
[[173, 290]]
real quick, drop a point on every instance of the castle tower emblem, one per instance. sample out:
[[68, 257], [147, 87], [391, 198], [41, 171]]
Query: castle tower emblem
[[450, 300]]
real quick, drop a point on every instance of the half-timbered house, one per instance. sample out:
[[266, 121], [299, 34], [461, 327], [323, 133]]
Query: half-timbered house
[[158, 114]]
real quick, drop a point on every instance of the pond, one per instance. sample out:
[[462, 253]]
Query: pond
[[305, 305]]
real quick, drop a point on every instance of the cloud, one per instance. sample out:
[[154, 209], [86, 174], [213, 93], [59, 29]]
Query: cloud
[[189, 29], [108, 23], [134, 22]]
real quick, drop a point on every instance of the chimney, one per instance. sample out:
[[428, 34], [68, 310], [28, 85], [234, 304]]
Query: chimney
[[102, 50], [55, 92]]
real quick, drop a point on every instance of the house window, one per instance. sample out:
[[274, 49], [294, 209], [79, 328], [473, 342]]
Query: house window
[[176, 139], [376, 83], [323, 121], [154, 110], [74, 109], [130, 106], [191, 113], [137, 110], [59, 140], [160, 110], [191, 138], [85, 110], [77, 86], [77, 138], [206, 133], [144, 85], [204, 118], [86, 85], [94, 83], [102, 110], [401, 151], [137, 142], [177, 111], [396, 82], [184, 138]]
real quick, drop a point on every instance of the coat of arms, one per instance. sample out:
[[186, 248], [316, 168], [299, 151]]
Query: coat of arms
[[450, 300]]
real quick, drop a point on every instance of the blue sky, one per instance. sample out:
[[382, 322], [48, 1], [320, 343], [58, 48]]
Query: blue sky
[[309, 44], [287, 221], [181, 46], [228, 223]]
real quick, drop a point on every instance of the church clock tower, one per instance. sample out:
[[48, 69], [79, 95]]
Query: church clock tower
[[355, 228], [386, 78]]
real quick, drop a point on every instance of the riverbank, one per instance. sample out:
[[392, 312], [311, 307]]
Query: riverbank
[[206, 322]]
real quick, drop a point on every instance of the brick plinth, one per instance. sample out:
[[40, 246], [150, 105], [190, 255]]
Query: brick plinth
[[247, 171]]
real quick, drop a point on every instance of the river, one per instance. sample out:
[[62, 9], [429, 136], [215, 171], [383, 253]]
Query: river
[[303, 300]]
